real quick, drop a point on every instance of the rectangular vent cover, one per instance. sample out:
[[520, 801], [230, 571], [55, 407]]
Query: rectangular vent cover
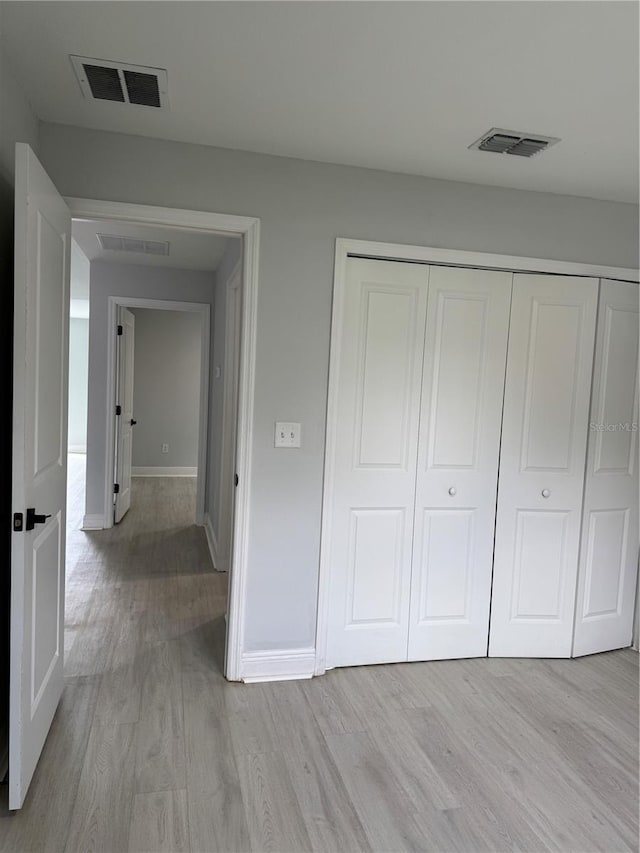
[[113, 243], [103, 80], [511, 142]]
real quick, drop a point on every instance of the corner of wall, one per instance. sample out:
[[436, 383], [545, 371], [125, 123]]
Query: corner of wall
[[212, 540]]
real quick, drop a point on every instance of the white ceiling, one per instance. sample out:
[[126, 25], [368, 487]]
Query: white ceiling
[[188, 250], [388, 85]]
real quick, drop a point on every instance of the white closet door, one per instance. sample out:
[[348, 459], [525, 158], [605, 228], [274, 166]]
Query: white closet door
[[609, 552], [542, 459], [374, 464], [463, 385]]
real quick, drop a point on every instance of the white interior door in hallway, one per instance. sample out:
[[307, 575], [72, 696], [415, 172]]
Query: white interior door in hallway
[[39, 465], [542, 459], [124, 411], [609, 550]]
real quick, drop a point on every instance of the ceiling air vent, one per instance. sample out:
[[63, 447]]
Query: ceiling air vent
[[511, 142], [113, 243], [103, 80]]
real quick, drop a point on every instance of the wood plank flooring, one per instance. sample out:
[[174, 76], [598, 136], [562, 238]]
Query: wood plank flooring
[[152, 750]]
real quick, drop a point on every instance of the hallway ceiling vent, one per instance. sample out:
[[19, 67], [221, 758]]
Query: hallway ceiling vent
[[103, 80], [499, 141], [113, 243]]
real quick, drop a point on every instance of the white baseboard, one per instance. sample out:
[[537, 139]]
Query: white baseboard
[[278, 665], [159, 471], [93, 522], [212, 541]]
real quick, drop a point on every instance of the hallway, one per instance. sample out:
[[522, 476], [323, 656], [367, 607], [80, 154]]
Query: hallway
[[152, 750]]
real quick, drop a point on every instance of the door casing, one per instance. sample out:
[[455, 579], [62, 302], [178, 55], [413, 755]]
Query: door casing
[[248, 228], [229, 415], [201, 308]]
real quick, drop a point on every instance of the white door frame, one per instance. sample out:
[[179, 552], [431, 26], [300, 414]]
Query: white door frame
[[417, 254], [233, 287], [249, 229], [204, 310]]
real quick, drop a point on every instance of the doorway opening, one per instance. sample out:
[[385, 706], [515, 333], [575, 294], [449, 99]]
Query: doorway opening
[[164, 457]]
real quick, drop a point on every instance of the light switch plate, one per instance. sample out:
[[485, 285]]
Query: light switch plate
[[287, 435]]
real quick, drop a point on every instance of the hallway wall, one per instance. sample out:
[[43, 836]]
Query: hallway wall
[[78, 383], [134, 281], [166, 388]]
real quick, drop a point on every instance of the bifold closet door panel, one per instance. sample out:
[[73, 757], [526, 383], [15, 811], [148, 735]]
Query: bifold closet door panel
[[461, 414], [542, 464], [609, 551], [373, 468]]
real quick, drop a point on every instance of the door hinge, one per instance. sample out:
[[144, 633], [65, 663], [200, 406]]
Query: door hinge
[[116, 488], [235, 480], [17, 522], [118, 410], [120, 330]]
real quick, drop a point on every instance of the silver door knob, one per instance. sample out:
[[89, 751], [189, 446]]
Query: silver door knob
[[453, 491], [545, 493]]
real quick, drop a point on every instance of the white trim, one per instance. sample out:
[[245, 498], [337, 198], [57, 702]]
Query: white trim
[[162, 471], [93, 522], [422, 254], [249, 229], [238, 569], [212, 541], [77, 448], [226, 461], [459, 257], [278, 665], [202, 308]]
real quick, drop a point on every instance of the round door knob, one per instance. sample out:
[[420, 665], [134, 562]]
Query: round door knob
[[545, 493], [453, 491]]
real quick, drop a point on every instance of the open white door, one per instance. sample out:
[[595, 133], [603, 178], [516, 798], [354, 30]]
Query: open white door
[[124, 411], [39, 466]]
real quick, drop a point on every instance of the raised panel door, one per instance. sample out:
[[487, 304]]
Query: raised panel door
[[542, 458]]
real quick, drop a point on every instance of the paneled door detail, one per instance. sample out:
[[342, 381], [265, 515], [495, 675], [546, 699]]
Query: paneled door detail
[[463, 384], [39, 469], [609, 551], [542, 460], [374, 464]]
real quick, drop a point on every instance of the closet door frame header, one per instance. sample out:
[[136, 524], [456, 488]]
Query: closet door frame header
[[346, 248]]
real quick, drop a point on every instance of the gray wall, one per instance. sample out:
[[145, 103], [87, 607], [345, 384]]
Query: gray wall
[[225, 268], [303, 207], [134, 281], [166, 388], [78, 382]]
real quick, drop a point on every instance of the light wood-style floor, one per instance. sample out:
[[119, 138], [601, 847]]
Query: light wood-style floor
[[151, 750]]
